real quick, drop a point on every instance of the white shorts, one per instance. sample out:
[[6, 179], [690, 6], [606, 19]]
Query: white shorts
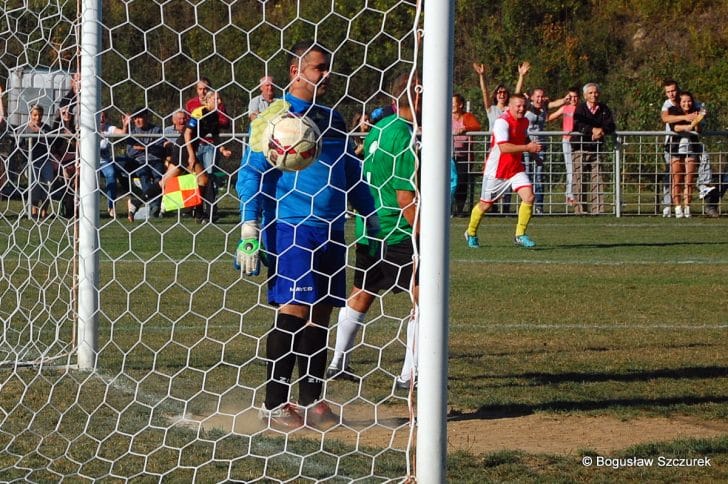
[[494, 188]]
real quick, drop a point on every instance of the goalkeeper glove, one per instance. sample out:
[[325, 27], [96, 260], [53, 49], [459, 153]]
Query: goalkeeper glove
[[247, 255]]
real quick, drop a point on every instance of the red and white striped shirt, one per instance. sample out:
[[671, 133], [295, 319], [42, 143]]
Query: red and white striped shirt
[[506, 129]]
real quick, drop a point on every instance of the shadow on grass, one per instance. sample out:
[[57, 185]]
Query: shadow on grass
[[477, 353], [491, 412], [592, 245], [541, 378]]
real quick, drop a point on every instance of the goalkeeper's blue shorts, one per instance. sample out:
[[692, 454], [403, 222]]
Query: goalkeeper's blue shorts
[[306, 264]]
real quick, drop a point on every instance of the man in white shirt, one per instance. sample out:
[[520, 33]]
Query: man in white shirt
[[261, 102]]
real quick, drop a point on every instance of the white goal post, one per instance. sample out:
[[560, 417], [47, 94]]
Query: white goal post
[[434, 289]]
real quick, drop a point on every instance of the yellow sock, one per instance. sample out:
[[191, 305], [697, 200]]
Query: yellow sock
[[475, 216], [524, 216]]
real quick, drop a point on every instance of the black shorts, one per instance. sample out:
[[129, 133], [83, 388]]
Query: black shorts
[[392, 272]]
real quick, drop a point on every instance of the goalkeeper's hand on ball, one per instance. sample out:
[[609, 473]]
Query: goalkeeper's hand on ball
[[247, 255]]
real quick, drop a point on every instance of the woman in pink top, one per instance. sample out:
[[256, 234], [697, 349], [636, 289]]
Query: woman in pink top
[[567, 125], [462, 122]]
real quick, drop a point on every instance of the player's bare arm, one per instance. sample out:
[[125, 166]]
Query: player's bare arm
[[407, 202], [531, 147]]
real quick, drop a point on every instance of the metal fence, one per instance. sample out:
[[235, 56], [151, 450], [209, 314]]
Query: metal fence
[[633, 168]]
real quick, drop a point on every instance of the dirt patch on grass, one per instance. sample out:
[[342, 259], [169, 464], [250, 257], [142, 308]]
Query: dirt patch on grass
[[365, 425], [568, 434]]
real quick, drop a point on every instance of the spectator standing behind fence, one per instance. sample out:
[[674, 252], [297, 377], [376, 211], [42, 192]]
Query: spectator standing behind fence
[[537, 115], [496, 106], [566, 112], [672, 100], [306, 279], [40, 159], [261, 102], [684, 151], [70, 98], [65, 154], [593, 120], [462, 122], [504, 171], [206, 150], [146, 146]]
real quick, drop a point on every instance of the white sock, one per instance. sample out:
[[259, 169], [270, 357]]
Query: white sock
[[409, 367], [346, 330]]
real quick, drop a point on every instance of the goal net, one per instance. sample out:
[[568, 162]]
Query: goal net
[[177, 335]]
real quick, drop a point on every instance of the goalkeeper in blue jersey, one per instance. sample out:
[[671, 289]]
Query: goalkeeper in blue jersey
[[298, 220]]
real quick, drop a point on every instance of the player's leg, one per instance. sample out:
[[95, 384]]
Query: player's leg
[[408, 374], [351, 318], [312, 343], [367, 281], [402, 275], [207, 154], [290, 319], [521, 185], [294, 286], [493, 188], [327, 282], [476, 215], [311, 346]]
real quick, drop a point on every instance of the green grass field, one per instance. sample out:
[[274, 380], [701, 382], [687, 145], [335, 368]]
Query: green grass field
[[622, 318]]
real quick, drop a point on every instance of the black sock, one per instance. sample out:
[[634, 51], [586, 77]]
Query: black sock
[[281, 360], [311, 363]]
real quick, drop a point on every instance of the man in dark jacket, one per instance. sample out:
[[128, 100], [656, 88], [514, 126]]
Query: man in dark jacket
[[593, 120]]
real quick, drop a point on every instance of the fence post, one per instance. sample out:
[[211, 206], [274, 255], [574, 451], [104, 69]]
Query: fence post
[[31, 181], [88, 214], [618, 177]]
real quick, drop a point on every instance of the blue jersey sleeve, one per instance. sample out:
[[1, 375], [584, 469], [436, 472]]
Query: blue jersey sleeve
[[253, 167]]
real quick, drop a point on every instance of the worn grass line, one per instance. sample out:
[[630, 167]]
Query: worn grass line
[[491, 327], [590, 262]]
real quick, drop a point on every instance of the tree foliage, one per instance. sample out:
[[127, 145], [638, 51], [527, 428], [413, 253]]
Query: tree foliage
[[154, 51], [628, 47]]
